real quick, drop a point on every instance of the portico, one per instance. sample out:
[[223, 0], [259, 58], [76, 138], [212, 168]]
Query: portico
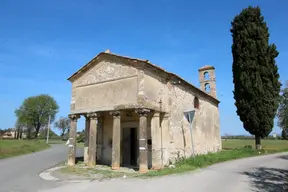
[[126, 134]]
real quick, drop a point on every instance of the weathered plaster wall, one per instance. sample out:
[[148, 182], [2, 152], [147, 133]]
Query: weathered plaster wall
[[176, 138], [155, 90], [107, 139], [103, 86], [206, 129]]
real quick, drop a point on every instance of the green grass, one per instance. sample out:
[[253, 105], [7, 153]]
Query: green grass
[[266, 144], [9, 148], [202, 161], [232, 149], [81, 145]]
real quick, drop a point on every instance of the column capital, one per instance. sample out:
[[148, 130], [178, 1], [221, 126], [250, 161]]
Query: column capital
[[86, 116], [115, 114], [166, 115], [74, 117], [92, 116], [142, 111], [156, 114]]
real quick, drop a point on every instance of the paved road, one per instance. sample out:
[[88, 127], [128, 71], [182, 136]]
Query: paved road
[[263, 174], [20, 174]]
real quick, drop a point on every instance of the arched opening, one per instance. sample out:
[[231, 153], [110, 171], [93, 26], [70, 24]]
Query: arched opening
[[207, 87], [196, 103], [206, 75]]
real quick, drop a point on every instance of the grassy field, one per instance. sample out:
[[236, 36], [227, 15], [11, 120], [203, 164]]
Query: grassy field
[[266, 144], [9, 148]]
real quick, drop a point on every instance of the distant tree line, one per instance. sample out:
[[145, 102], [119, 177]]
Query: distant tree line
[[33, 118], [246, 137]]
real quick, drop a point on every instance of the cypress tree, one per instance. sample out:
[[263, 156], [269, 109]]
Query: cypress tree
[[255, 73]]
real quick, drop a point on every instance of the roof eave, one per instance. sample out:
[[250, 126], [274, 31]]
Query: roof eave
[[197, 89], [84, 67]]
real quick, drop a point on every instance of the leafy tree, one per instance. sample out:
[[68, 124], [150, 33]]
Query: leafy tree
[[35, 111], [283, 109], [19, 129], [284, 134], [63, 124], [43, 134], [255, 73], [81, 136]]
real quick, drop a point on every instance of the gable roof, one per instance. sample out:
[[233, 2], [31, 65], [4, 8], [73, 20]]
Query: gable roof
[[146, 62]]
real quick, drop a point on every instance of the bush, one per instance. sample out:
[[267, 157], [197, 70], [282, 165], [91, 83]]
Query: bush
[[81, 137]]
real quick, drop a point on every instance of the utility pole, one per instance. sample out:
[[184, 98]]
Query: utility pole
[[48, 129]]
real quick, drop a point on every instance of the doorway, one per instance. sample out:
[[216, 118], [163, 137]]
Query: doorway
[[129, 147]]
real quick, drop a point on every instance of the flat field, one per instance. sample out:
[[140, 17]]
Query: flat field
[[266, 144], [9, 148]]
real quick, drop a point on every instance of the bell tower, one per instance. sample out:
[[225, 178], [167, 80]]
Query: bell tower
[[207, 80]]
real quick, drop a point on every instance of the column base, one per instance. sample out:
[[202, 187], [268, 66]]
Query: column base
[[143, 171], [71, 163], [159, 167], [143, 168], [115, 167]]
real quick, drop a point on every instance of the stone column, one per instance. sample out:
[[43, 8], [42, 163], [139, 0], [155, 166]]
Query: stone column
[[156, 141], [72, 139], [143, 153], [86, 144], [100, 130], [116, 140], [92, 140], [166, 139]]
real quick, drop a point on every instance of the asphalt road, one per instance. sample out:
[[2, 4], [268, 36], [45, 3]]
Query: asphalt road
[[21, 173], [259, 174]]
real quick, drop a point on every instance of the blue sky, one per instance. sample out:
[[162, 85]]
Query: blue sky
[[42, 43]]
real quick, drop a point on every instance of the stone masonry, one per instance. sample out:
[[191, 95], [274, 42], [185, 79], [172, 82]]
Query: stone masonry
[[134, 113]]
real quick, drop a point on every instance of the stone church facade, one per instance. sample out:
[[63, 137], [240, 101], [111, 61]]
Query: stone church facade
[[136, 113]]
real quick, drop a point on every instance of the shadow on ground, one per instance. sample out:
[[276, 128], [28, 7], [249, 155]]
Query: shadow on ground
[[268, 179], [283, 157]]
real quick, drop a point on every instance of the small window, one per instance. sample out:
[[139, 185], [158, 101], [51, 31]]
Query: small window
[[196, 103], [206, 75], [207, 87]]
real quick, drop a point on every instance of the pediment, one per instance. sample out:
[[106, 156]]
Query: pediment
[[105, 70]]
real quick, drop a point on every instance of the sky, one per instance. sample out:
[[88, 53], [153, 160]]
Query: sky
[[42, 43]]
